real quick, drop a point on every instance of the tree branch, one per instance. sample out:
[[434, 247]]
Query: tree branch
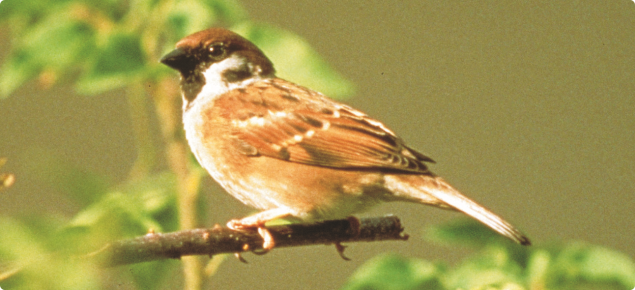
[[219, 240]]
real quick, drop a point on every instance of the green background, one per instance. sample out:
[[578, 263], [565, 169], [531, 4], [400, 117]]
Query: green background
[[527, 107]]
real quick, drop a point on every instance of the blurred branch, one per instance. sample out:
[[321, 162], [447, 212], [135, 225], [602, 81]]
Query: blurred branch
[[223, 240], [188, 178], [138, 103]]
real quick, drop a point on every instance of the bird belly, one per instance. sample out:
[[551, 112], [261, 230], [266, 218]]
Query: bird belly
[[308, 192]]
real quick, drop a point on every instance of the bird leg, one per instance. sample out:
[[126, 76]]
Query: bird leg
[[355, 225], [258, 221]]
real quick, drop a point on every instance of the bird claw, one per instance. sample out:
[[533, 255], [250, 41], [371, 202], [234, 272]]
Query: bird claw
[[240, 257], [268, 241], [355, 226], [236, 225], [340, 250]]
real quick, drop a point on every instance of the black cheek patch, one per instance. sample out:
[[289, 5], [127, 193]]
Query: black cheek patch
[[240, 74], [192, 85]]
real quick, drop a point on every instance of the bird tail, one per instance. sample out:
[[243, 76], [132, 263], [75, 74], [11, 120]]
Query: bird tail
[[436, 191]]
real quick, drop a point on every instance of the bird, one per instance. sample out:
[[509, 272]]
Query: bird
[[292, 152]]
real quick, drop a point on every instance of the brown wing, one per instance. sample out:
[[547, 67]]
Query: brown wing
[[279, 119]]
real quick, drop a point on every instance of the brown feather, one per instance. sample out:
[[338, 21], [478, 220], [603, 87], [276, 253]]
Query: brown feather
[[309, 131]]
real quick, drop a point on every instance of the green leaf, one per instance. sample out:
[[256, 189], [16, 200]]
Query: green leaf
[[295, 60], [118, 215], [579, 262], [55, 43], [26, 10], [494, 267], [42, 268], [229, 10], [120, 61], [128, 211], [538, 268], [188, 17], [155, 191], [58, 41], [602, 264], [17, 69], [391, 272]]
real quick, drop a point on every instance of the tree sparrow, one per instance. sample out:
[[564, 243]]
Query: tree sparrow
[[290, 151]]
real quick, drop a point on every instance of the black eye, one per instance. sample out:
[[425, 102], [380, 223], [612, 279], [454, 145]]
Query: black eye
[[216, 50]]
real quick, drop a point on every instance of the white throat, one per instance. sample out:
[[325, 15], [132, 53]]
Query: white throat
[[215, 86]]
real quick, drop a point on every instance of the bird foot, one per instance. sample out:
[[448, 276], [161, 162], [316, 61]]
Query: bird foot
[[268, 241]]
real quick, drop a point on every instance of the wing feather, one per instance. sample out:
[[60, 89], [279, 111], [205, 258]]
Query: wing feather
[[312, 129]]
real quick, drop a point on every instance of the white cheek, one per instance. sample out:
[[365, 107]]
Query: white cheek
[[215, 85]]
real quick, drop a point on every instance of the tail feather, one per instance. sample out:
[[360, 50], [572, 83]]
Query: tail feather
[[439, 192], [444, 192]]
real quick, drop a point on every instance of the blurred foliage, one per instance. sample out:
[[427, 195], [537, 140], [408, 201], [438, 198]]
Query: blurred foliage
[[101, 46], [52, 252], [499, 265], [105, 45]]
